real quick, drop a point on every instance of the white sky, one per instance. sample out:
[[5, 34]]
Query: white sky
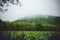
[[31, 7]]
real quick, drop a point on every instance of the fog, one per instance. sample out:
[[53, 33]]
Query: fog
[[30, 8]]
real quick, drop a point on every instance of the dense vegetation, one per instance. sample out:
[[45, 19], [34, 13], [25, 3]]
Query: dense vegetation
[[33, 28], [29, 35], [38, 23]]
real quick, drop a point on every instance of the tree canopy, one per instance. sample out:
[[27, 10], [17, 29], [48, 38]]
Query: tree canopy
[[5, 3]]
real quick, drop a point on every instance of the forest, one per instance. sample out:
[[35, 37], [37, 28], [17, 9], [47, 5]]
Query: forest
[[39, 23], [38, 27]]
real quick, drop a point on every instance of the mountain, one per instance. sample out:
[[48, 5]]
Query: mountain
[[33, 23], [37, 19]]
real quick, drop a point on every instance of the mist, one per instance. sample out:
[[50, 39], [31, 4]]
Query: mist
[[30, 8]]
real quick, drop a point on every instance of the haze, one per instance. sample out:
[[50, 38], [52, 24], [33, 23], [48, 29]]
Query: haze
[[30, 8]]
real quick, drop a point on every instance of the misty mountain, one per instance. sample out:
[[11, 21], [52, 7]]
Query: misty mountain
[[37, 19]]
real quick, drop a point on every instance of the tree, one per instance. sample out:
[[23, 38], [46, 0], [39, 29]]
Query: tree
[[57, 22], [2, 25], [5, 3]]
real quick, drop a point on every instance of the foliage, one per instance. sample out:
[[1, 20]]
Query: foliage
[[32, 24], [5, 3], [26, 35]]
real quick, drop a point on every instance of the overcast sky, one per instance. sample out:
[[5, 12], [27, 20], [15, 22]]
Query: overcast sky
[[32, 7]]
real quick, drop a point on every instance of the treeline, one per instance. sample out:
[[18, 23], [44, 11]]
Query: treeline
[[41, 25], [25, 26]]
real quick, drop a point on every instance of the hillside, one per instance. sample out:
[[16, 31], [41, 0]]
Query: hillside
[[33, 23], [37, 19]]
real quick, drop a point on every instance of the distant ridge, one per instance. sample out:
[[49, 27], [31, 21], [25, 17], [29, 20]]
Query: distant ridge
[[37, 18]]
